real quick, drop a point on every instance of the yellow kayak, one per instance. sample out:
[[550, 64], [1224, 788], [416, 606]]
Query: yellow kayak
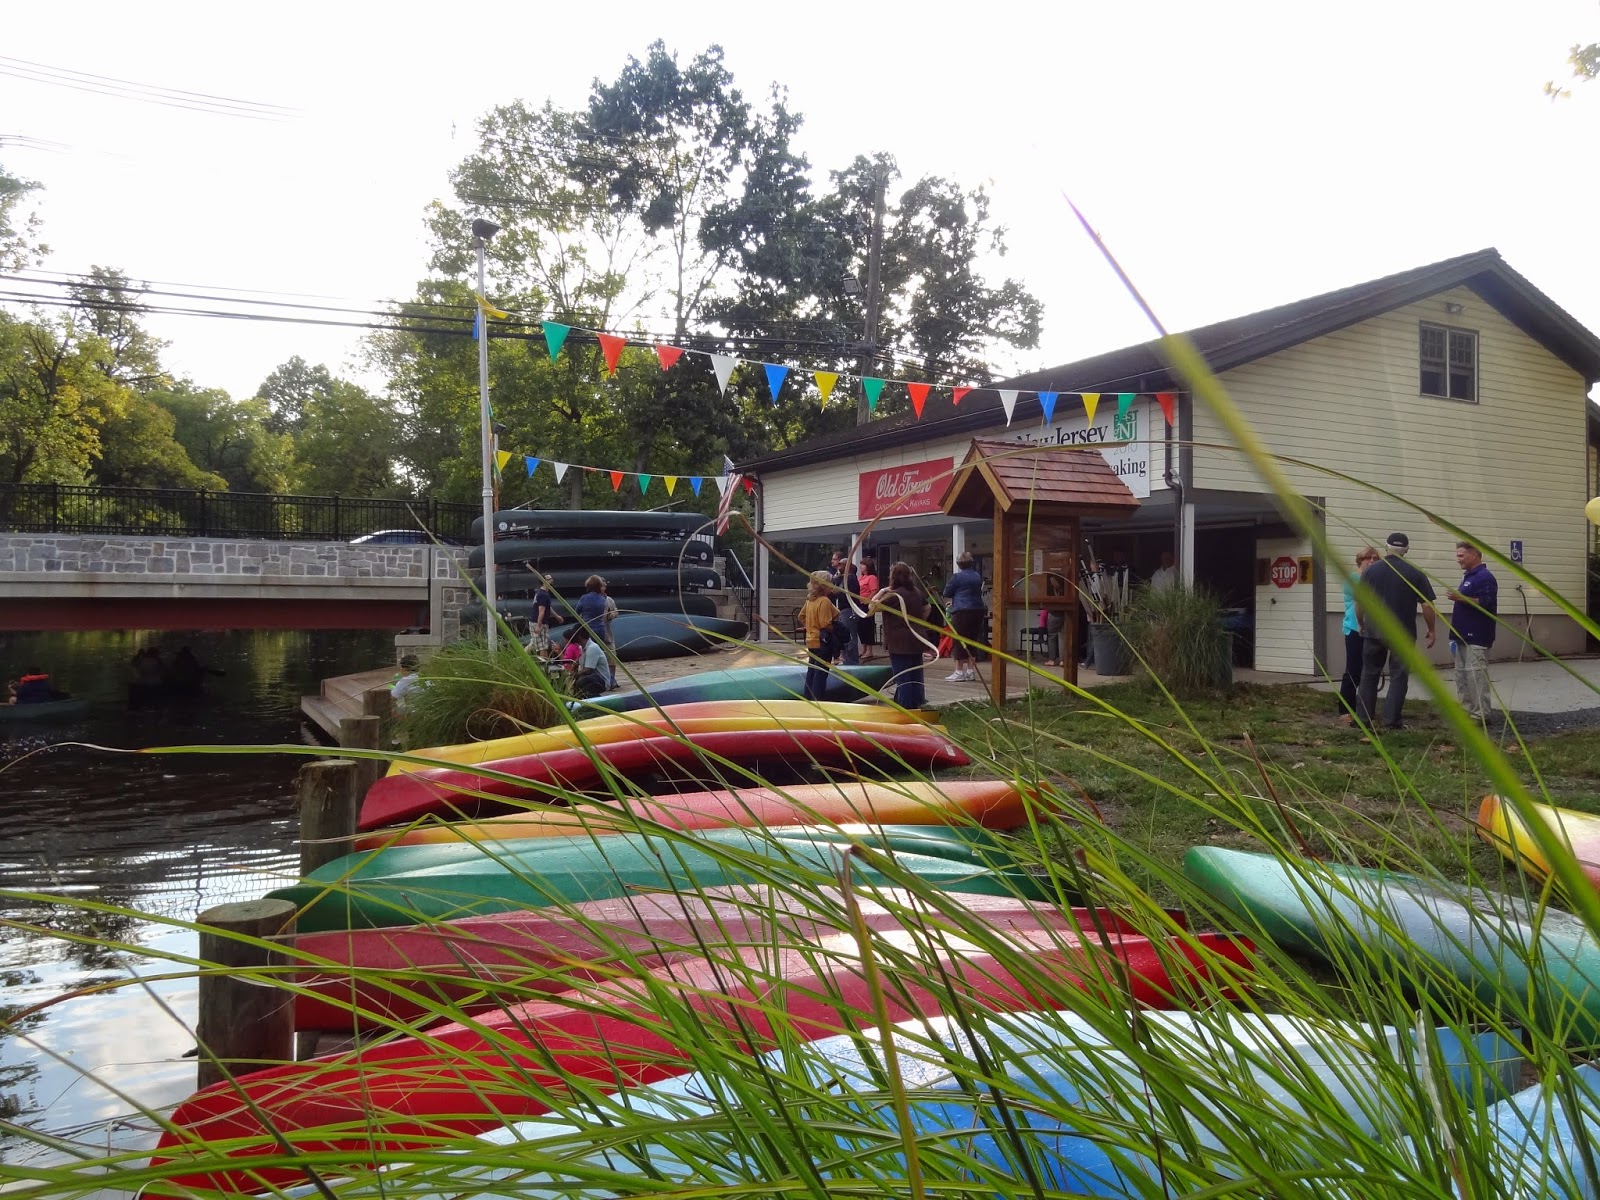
[[1503, 830], [991, 803], [730, 715]]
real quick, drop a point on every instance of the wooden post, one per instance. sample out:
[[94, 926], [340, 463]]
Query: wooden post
[[379, 702], [363, 733], [997, 622], [247, 1024], [329, 805]]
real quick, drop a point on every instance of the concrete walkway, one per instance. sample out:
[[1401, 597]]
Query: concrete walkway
[[1568, 685]]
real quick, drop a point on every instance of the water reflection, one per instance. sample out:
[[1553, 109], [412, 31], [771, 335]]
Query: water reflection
[[167, 836]]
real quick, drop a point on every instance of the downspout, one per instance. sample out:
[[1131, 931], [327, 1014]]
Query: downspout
[[1174, 481]]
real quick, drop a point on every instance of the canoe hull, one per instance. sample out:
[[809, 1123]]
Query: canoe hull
[[44, 711], [1505, 831], [588, 523], [598, 555], [621, 579], [778, 682]]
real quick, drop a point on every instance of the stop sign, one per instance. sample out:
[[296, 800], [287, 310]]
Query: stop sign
[[1285, 573]]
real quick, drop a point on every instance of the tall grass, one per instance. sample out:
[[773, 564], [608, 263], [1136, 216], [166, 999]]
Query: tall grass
[[468, 694], [1176, 635]]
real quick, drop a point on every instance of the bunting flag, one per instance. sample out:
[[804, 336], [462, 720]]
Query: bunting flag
[[644, 483], [671, 481], [1091, 401], [669, 355], [825, 381], [554, 336], [1008, 398], [1124, 403], [611, 346], [533, 464], [616, 480], [561, 470], [1168, 402], [501, 458], [957, 393], [723, 365], [919, 395], [873, 388], [775, 377], [722, 483], [695, 481], [1047, 401], [490, 310]]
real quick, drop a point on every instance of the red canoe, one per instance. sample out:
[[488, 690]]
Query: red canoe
[[407, 1094], [402, 974], [397, 799]]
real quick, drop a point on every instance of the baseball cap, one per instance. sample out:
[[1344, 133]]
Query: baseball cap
[[1399, 540]]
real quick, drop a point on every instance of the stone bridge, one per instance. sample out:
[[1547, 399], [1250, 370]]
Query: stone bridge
[[54, 582]]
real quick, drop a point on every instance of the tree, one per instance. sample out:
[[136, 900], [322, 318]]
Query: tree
[[109, 309], [349, 444], [138, 449], [19, 246], [229, 438], [54, 401], [289, 392]]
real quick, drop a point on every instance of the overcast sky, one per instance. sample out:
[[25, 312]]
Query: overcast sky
[[1234, 155]]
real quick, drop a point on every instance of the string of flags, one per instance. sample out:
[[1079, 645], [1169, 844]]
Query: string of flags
[[778, 374], [724, 481]]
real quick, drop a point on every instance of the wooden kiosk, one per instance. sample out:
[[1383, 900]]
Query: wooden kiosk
[[1038, 497]]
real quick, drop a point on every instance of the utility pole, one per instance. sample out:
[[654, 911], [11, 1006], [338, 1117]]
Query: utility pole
[[482, 231], [869, 349]]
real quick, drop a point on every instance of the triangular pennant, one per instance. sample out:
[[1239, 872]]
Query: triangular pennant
[[1168, 402], [532, 463], [477, 323], [644, 483], [560, 469], [749, 484], [695, 481], [919, 396], [1124, 403], [957, 393], [1091, 401], [825, 381], [616, 481], [490, 310], [611, 346], [671, 481], [776, 374], [1047, 401], [554, 335], [723, 365], [722, 482], [873, 388], [501, 458], [668, 355], [1008, 398]]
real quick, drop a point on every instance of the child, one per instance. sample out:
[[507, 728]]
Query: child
[[817, 615]]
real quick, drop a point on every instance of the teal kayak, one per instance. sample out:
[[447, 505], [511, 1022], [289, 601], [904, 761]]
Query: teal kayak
[[781, 681], [403, 885], [45, 710]]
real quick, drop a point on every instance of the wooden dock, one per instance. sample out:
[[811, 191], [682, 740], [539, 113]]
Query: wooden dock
[[340, 697]]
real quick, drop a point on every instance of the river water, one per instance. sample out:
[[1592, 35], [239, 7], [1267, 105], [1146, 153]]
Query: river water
[[166, 836]]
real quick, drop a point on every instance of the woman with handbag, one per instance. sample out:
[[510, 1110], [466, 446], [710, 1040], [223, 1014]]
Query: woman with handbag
[[817, 616], [901, 603]]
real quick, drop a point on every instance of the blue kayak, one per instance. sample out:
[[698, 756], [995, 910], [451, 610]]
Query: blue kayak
[[781, 681]]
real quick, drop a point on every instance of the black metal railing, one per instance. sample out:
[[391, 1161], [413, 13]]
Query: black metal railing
[[174, 512]]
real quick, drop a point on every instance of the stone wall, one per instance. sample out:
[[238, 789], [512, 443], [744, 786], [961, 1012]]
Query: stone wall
[[450, 593], [210, 557]]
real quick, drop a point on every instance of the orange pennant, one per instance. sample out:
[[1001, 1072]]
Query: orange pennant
[[1168, 401], [957, 393], [919, 395], [611, 346], [616, 481], [668, 356]]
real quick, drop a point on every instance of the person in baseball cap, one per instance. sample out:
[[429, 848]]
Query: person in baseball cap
[[1402, 589], [1398, 542]]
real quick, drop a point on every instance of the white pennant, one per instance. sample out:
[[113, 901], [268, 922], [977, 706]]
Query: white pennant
[[561, 470], [722, 482], [1009, 399], [723, 365]]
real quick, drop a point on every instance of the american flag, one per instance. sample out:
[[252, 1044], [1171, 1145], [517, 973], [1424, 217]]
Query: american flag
[[730, 484]]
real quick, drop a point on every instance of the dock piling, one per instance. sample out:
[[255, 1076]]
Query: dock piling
[[329, 805], [246, 1024]]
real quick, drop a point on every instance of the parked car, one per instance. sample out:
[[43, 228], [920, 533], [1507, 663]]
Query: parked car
[[393, 537]]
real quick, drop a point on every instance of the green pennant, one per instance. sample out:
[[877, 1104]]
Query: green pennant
[[554, 335], [873, 388], [644, 483], [1124, 403]]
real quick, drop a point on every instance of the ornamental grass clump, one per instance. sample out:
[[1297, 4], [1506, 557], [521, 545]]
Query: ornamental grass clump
[[468, 694], [1177, 638]]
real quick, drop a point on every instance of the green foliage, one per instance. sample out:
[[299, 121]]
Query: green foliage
[[19, 229], [470, 694], [1177, 637], [229, 438], [54, 401], [290, 391], [349, 445], [138, 448], [109, 309]]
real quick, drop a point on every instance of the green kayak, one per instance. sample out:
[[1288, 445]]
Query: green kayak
[[1538, 964], [406, 884]]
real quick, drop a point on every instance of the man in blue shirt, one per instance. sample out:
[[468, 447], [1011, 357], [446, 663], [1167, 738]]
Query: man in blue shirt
[[1402, 589], [1472, 626]]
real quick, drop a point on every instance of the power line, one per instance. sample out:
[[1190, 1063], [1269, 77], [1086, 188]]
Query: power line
[[107, 85]]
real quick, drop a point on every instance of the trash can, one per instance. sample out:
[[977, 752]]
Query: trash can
[[1111, 655]]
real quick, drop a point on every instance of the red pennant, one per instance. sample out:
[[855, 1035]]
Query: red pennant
[[611, 346], [1168, 401], [957, 393], [668, 355], [919, 395], [616, 481], [749, 485]]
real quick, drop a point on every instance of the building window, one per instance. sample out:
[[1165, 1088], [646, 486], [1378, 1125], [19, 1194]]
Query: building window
[[1450, 363]]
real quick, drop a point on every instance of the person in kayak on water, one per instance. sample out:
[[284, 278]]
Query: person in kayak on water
[[32, 688]]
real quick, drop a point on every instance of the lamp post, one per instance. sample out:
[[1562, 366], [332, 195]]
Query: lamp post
[[482, 231]]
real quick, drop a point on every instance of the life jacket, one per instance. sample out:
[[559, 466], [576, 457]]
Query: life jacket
[[34, 679]]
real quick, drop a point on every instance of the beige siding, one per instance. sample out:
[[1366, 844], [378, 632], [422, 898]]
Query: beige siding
[[1510, 466]]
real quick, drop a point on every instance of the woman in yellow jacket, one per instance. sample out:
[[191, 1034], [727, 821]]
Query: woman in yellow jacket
[[817, 615]]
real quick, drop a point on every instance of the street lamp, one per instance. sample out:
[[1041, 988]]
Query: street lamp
[[482, 231]]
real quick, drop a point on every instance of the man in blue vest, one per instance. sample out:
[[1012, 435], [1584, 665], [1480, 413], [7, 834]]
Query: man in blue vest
[[1472, 624]]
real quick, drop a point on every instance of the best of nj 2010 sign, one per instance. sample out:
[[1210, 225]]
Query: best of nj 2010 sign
[[904, 491]]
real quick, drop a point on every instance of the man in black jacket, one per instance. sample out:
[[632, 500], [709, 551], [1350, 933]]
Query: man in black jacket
[[1402, 589]]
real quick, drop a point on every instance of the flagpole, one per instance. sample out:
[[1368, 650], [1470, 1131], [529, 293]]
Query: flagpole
[[482, 231]]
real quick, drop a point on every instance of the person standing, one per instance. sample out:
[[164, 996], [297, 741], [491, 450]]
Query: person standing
[[1401, 588], [1472, 628], [1354, 646], [817, 615], [408, 683], [867, 624], [1166, 575], [901, 603], [847, 583], [544, 611], [591, 606], [964, 590]]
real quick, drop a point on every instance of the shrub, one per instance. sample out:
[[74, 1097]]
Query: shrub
[[1177, 635], [471, 694]]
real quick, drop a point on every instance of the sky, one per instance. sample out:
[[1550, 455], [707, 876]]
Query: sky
[[1233, 155]]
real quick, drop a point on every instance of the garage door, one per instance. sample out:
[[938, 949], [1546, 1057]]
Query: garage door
[[1285, 615]]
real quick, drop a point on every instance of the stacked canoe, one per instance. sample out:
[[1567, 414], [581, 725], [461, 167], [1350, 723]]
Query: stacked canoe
[[657, 567]]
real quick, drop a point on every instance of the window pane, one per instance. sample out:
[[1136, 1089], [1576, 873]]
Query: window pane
[[1432, 381], [1461, 385], [1463, 349], [1432, 343]]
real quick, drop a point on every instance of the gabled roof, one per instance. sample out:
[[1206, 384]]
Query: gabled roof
[[996, 471], [1226, 344]]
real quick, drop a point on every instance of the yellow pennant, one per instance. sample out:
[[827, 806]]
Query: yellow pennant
[[1091, 401], [825, 381], [671, 482], [489, 309], [501, 458]]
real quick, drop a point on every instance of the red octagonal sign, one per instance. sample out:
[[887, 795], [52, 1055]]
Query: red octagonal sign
[[1285, 572]]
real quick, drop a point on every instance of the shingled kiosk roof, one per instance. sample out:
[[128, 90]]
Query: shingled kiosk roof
[[1072, 481]]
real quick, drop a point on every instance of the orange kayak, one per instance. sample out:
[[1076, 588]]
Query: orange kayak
[[992, 803], [1503, 830]]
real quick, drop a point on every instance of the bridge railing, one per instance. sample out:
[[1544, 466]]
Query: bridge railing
[[173, 512]]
